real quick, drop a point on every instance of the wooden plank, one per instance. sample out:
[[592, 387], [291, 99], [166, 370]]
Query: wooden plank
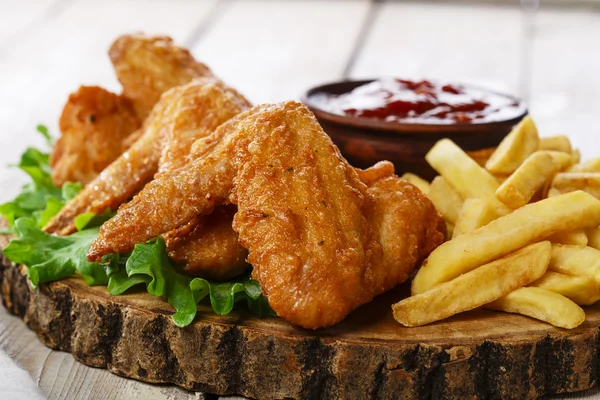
[[274, 51], [564, 79], [70, 50], [468, 43], [61, 377]]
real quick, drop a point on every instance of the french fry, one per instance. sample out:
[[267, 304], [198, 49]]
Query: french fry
[[563, 161], [521, 142], [556, 143], [506, 234], [460, 170], [446, 199], [583, 290], [449, 230], [570, 181], [501, 178], [553, 192], [575, 260], [463, 173], [593, 235], [416, 180], [476, 288], [541, 304], [481, 156], [576, 155], [592, 165], [577, 237], [474, 214], [520, 187]]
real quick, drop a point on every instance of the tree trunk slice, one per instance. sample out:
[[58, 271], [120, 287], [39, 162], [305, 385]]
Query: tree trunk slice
[[480, 354]]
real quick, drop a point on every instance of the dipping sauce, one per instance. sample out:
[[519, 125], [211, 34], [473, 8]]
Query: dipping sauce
[[422, 102]]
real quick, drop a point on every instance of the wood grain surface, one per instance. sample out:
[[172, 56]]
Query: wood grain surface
[[481, 354], [273, 51]]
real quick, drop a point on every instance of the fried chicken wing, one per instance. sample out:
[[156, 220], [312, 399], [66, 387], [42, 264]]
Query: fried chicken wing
[[212, 249], [187, 111], [320, 240], [149, 66], [207, 106], [95, 125], [115, 184], [166, 203], [407, 227], [378, 171]]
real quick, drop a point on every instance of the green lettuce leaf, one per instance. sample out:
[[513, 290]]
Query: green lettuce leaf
[[150, 265], [224, 295], [51, 258], [39, 198], [53, 206], [91, 219], [46, 134]]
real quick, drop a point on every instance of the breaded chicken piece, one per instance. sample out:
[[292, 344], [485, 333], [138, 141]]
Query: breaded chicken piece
[[207, 245], [186, 111], [118, 182], [148, 66], [378, 171], [217, 103], [406, 225], [212, 249], [320, 240], [95, 125], [177, 197]]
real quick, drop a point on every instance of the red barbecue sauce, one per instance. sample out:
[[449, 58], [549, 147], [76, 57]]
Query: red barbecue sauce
[[421, 102]]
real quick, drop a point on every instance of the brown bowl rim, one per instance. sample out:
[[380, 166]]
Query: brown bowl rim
[[404, 127]]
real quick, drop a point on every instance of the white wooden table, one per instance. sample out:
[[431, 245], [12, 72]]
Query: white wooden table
[[273, 51]]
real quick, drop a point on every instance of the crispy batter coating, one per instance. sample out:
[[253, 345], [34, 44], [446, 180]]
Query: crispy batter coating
[[321, 241], [378, 171], [166, 203], [207, 245], [406, 225], [186, 111], [207, 105], [149, 66], [212, 249], [95, 126]]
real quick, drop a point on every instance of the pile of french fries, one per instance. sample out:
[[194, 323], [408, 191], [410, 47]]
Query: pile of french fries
[[523, 232]]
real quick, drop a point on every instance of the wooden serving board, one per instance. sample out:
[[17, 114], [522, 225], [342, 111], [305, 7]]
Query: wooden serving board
[[480, 354]]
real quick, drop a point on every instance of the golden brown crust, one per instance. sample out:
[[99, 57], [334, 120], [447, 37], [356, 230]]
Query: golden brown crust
[[300, 217], [149, 66], [406, 225], [212, 249], [320, 240], [204, 106], [381, 170], [166, 203], [95, 126], [170, 118]]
